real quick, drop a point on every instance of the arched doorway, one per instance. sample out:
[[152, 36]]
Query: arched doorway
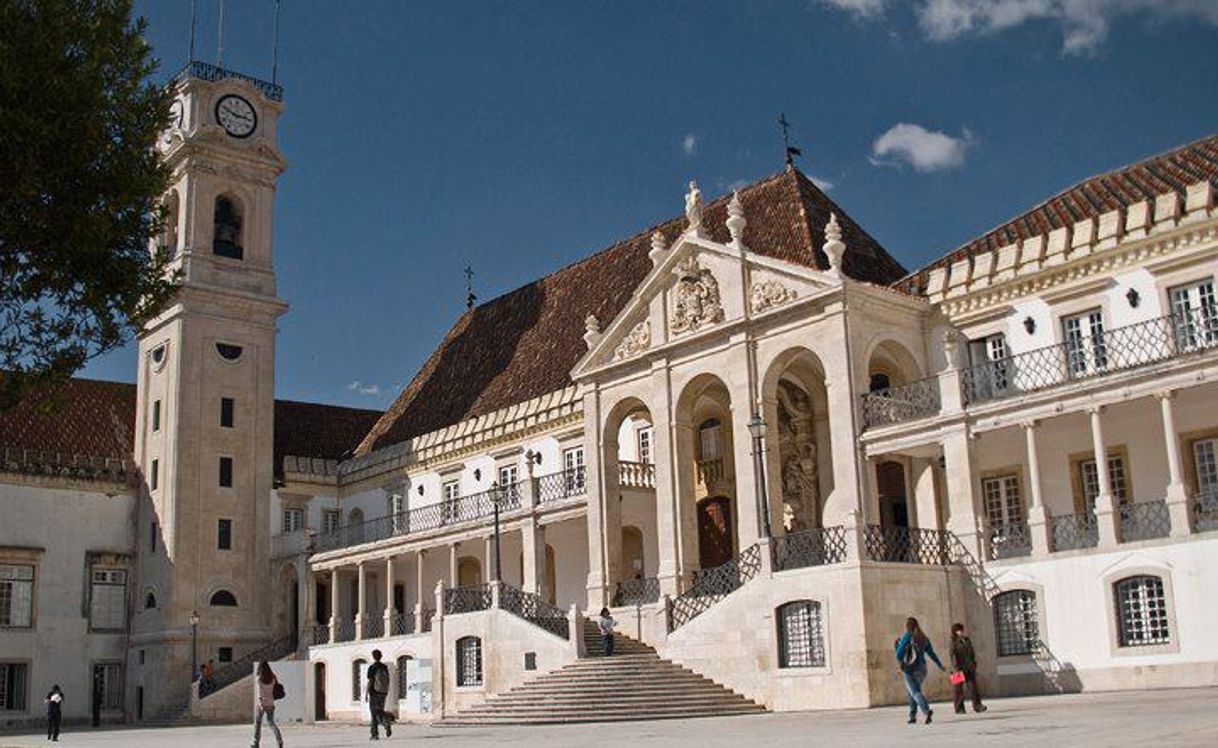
[[890, 485], [319, 691], [715, 534], [632, 553], [287, 617], [799, 458], [469, 572]]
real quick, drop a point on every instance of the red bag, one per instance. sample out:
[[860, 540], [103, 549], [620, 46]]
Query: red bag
[[957, 677]]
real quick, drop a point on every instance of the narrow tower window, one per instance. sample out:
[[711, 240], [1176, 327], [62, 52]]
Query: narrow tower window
[[226, 241]]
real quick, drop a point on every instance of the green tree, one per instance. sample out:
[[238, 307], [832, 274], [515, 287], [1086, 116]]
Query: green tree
[[80, 183]]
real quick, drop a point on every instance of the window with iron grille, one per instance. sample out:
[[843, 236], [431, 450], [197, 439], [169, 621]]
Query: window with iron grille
[[1086, 351], [403, 684], [1141, 611], [109, 675], [801, 641], [16, 596], [108, 600], [1118, 478], [1195, 314], [293, 519], [1015, 622], [357, 679], [469, 661], [1003, 504], [573, 467], [14, 679], [645, 435]]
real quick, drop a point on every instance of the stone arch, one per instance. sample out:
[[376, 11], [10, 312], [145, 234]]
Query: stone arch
[[705, 467], [172, 206], [228, 226], [890, 364], [799, 448], [469, 571], [286, 602], [624, 478], [633, 553]]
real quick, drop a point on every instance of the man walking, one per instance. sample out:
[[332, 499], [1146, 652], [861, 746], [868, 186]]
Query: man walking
[[377, 690]]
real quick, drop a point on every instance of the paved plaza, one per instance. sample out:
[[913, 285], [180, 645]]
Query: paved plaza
[[1184, 717]]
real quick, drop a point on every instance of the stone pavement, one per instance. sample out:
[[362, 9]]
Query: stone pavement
[[1185, 717]]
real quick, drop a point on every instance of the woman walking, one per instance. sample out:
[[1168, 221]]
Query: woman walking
[[912, 650], [964, 666], [268, 689], [54, 702]]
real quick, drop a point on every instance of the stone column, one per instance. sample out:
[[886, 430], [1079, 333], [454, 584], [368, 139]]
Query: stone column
[[361, 602], [684, 503], [598, 573], [1177, 494], [773, 475], [926, 513], [533, 548], [488, 569], [309, 593], [748, 514], [663, 454], [333, 605], [961, 492], [390, 610], [845, 495], [1038, 515], [419, 591], [453, 580], [1105, 505]]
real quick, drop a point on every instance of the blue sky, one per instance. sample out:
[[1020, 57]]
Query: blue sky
[[521, 136]]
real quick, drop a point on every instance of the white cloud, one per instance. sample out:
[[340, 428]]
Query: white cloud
[[824, 184], [361, 388], [1085, 23], [924, 150], [689, 144], [859, 8]]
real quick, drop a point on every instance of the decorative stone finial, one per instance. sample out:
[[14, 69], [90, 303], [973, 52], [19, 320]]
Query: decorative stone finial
[[658, 249], [735, 219], [592, 331], [834, 247], [950, 340], [693, 209]]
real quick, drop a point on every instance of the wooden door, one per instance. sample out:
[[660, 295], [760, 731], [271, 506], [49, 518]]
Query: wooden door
[[319, 691], [714, 531]]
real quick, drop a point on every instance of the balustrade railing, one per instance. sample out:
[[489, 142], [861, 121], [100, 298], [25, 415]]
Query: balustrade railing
[[907, 402], [426, 614], [244, 665], [344, 630], [318, 633], [907, 545], [817, 547], [1009, 540], [565, 484], [209, 72], [712, 585], [1205, 511], [636, 474], [467, 599], [710, 471], [534, 609], [374, 626], [637, 592], [1122, 348], [1074, 531], [1144, 521], [402, 624]]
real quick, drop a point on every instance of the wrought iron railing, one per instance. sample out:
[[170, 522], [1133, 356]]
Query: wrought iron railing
[[636, 474], [1144, 521], [534, 609], [565, 484], [712, 585], [344, 630], [318, 633], [1123, 348], [209, 72], [1205, 511], [1009, 540], [244, 665], [907, 402], [426, 614], [374, 626], [1073, 531], [402, 624], [637, 592], [710, 471], [907, 545], [817, 547], [467, 599]]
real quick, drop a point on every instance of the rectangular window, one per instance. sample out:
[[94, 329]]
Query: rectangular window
[[152, 532], [14, 677], [330, 520], [451, 491], [224, 654], [989, 358], [1205, 457], [226, 472], [1117, 477], [293, 519], [224, 535], [16, 596], [1003, 504], [110, 676], [573, 468], [156, 415], [644, 436], [1195, 315], [154, 475], [226, 412], [507, 475], [108, 600], [710, 439], [1086, 352]]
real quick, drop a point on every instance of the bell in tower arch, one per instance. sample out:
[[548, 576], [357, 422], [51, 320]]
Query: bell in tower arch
[[226, 241]]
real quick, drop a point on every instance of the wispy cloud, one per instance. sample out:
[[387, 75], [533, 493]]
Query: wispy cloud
[[859, 8], [362, 388], [689, 144], [824, 184], [924, 150]]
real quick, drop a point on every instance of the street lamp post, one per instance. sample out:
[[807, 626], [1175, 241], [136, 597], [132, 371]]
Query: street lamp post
[[194, 637], [757, 428], [496, 499]]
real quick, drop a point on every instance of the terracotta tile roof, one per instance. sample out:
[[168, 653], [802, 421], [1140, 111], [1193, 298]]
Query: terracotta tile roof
[[86, 417], [1174, 170], [525, 343]]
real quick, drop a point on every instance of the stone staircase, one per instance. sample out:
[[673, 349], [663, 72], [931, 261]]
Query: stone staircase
[[634, 684]]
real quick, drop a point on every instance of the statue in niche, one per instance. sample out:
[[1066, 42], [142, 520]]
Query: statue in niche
[[797, 450], [696, 297]]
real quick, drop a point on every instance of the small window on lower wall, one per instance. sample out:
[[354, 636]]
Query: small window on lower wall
[[403, 682], [1141, 607], [801, 641], [469, 661], [357, 667], [1015, 623], [530, 660]]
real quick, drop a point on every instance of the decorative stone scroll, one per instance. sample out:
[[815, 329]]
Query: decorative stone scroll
[[696, 301], [769, 294], [636, 341]]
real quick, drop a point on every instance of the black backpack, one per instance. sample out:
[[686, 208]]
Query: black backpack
[[911, 653], [278, 692]]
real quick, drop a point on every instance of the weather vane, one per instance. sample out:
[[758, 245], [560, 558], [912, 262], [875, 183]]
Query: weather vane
[[470, 297], [791, 151]]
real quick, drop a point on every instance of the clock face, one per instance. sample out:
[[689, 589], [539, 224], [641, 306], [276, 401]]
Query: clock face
[[236, 116]]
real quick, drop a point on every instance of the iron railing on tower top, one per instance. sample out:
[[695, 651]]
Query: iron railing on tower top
[[208, 72]]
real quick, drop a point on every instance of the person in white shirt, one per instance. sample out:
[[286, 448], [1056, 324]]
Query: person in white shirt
[[606, 623], [268, 690]]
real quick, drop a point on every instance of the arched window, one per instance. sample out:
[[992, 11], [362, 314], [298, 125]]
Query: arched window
[[1141, 607], [149, 600], [801, 639], [403, 686], [1015, 622], [226, 229], [469, 661], [228, 351], [223, 599], [357, 681], [169, 229]]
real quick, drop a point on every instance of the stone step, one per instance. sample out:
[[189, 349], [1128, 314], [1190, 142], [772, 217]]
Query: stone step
[[606, 701], [543, 718]]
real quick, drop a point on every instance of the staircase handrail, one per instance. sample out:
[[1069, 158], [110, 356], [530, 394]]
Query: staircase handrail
[[243, 665], [534, 609], [712, 586]]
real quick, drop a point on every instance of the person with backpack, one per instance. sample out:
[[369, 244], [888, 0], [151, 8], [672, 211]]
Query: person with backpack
[[54, 702], [378, 690], [269, 691], [964, 670], [605, 625], [912, 650]]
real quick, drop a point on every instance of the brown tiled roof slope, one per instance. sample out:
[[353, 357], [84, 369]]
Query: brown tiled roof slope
[[86, 417], [525, 343], [1145, 180]]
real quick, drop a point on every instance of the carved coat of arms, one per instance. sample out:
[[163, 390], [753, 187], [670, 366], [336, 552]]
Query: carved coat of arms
[[696, 297]]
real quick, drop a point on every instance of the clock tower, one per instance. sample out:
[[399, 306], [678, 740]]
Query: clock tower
[[206, 394]]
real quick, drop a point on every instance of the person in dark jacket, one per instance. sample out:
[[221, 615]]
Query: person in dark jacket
[[54, 702], [377, 690], [912, 650], [964, 661]]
